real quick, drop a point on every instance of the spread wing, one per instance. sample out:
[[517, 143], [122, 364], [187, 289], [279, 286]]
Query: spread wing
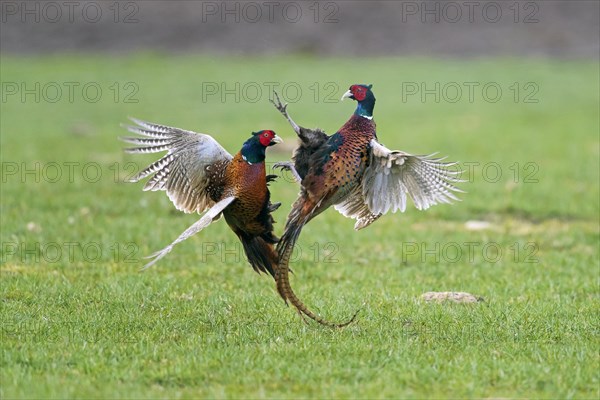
[[394, 175], [185, 171], [354, 206]]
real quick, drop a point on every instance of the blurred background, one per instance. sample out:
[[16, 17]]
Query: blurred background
[[486, 81], [565, 29]]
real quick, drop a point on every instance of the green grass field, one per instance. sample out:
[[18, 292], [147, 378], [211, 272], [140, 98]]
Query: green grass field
[[80, 320]]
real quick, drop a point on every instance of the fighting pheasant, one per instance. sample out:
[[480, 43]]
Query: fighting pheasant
[[360, 177], [198, 174]]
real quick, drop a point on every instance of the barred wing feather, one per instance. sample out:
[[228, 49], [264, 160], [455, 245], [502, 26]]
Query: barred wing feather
[[183, 171], [354, 206], [394, 175]]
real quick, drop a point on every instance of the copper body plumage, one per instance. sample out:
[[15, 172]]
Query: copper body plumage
[[362, 179], [198, 174]]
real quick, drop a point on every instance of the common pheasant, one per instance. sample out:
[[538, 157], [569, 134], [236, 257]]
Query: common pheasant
[[198, 174], [360, 177]]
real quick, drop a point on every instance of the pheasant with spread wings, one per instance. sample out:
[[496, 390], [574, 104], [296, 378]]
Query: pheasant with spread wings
[[199, 174], [362, 179]]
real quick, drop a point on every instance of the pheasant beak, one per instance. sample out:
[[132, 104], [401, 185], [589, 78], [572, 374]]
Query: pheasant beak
[[347, 94], [276, 139]]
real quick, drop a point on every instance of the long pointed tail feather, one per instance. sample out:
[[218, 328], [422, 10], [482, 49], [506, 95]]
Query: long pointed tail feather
[[210, 216], [284, 248]]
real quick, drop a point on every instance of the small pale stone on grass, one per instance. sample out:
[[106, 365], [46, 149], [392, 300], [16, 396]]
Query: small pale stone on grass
[[33, 227], [477, 225], [456, 297]]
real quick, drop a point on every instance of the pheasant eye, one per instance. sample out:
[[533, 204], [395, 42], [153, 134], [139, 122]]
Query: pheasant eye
[[266, 134]]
